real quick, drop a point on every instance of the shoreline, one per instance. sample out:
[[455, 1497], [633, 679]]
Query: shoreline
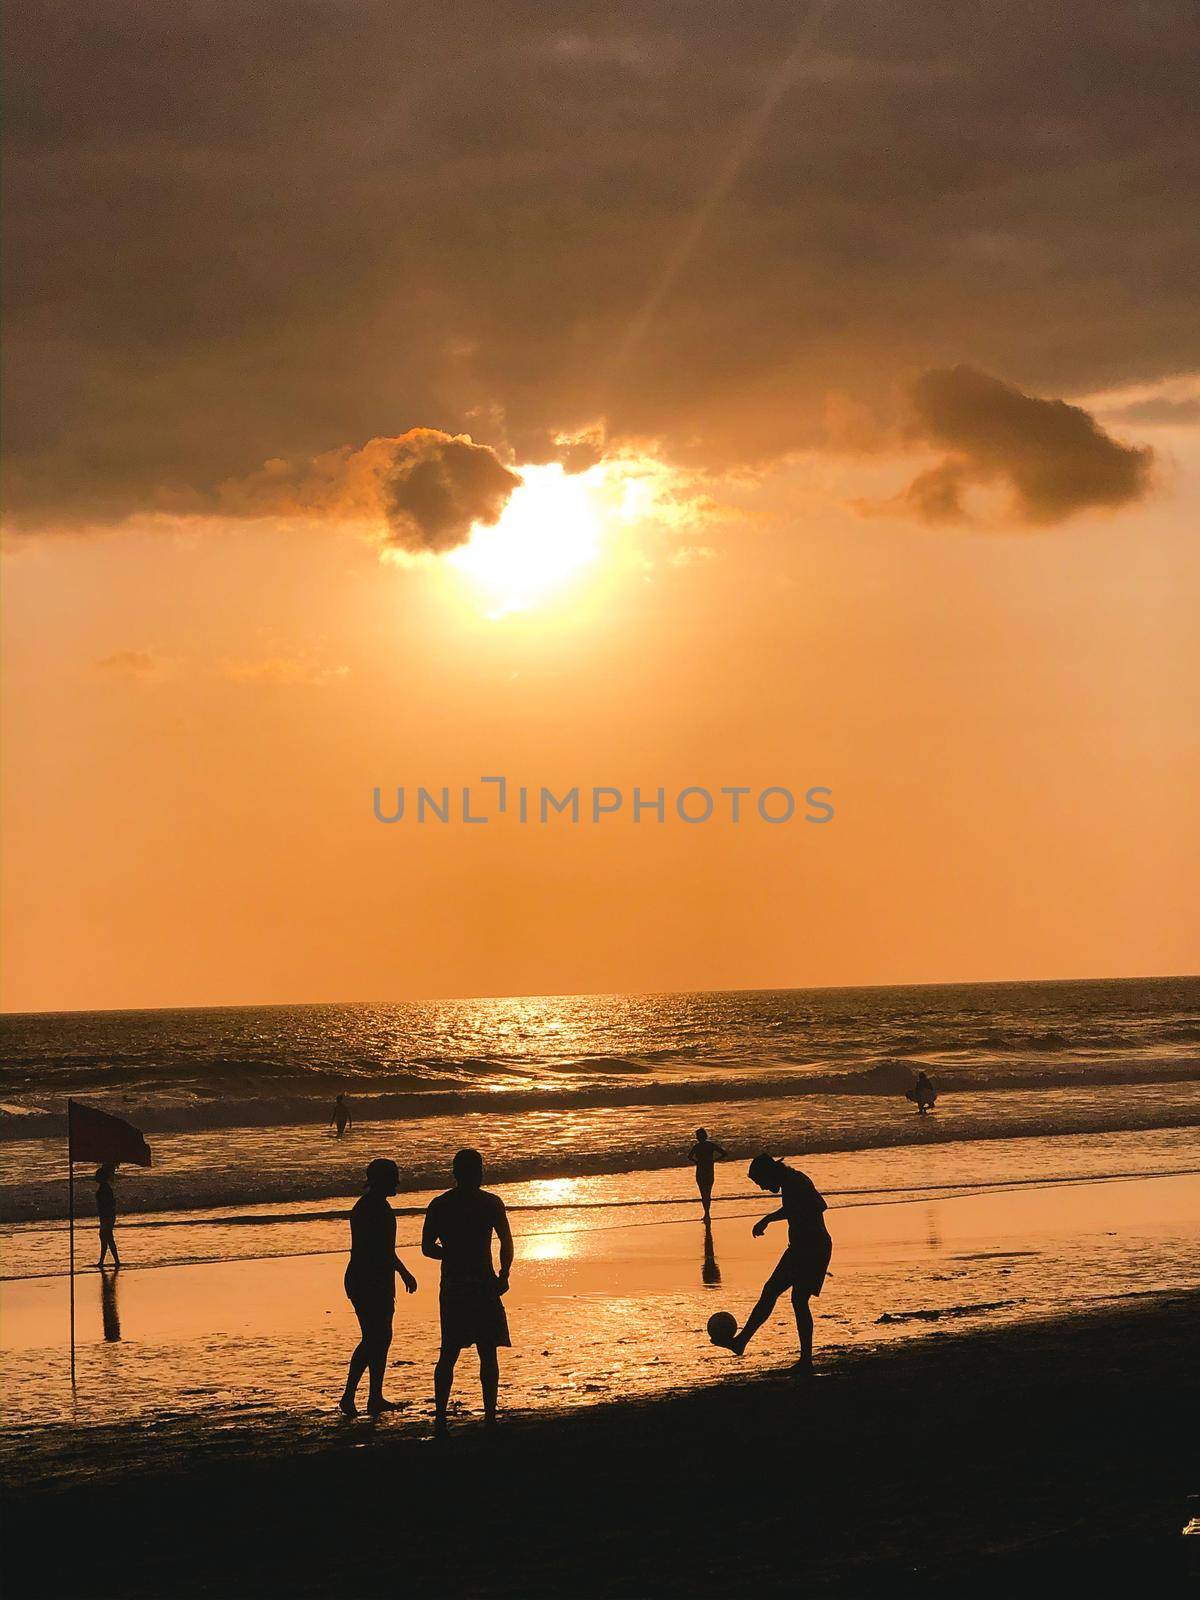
[[1046, 1453], [193, 1171]]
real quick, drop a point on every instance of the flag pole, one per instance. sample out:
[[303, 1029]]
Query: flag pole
[[71, 1230]]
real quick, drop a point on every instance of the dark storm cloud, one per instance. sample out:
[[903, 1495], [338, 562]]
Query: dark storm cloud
[[1055, 458], [256, 233]]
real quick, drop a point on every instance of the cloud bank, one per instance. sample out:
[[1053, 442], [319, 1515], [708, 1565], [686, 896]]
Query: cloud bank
[[248, 234]]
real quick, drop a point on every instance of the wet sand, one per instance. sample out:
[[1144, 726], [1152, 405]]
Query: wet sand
[[1049, 1457], [609, 1303]]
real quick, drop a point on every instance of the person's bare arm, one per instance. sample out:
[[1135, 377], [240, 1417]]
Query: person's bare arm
[[763, 1223], [504, 1234], [406, 1277], [429, 1240]]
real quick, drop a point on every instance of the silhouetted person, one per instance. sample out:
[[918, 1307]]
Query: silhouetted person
[[106, 1211], [710, 1272], [458, 1232], [922, 1094], [703, 1155], [371, 1285], [803, 1265], [110, 1316], [341, 1118]]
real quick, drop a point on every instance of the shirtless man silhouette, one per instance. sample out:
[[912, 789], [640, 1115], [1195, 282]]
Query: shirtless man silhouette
[[803, 1265], [703, 1155], [458, 1232]]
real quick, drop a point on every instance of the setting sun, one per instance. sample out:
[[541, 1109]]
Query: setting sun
[[549, 531]]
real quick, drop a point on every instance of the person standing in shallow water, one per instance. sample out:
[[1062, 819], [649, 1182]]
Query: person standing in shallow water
[[371, 1286], [106, 1211], [458, 1232], [922, 1094], [704, 1155], [341, 1118], [803, 1265]]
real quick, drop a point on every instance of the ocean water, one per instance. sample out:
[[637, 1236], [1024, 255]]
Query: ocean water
[[236, 1102]]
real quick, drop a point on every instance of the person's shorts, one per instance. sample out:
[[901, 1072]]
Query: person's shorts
[[802, 1267], [373, 1300], [472, 1313]]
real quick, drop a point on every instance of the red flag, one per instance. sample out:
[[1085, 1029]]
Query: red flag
[[95, 1136]]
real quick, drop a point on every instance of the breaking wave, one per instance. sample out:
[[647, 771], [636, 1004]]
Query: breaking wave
[[181, 1111]]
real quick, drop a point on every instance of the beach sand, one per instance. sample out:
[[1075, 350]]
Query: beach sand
[[609, 1302], [1046, 1457], [963, 1435]]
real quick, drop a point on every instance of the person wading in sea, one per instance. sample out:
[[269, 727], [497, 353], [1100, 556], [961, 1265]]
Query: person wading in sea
[[922, 1094], [803, 1265], [371, 1285], [458, 1232]]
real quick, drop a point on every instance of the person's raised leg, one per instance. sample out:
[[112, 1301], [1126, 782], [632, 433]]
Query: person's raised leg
[[489, 1381], [443, 1381], [779, 1280], [804, 1326]]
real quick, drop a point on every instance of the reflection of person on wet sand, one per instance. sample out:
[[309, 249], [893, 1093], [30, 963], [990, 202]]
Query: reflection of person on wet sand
[[341, 1118], [803, 1265], [703, 1155], [458, 1232], [371, 1285], [106, 1211], [922, 1094], [110, 1316], [710, 1272]]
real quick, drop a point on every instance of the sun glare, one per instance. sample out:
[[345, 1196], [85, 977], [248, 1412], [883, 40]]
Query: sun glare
[[548, 533]]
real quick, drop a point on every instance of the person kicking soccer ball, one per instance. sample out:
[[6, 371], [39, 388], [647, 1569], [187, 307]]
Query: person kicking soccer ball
[[802, 1266]]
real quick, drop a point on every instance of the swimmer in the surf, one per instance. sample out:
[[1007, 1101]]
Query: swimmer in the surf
[[922, 1094]]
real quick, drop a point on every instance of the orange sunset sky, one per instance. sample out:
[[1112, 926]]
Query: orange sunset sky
[[760, 397]]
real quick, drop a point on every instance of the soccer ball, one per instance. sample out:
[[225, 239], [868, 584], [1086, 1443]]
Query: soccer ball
[[722, 1326]]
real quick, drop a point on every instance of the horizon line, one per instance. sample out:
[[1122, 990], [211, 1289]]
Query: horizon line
[[600, 994]]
